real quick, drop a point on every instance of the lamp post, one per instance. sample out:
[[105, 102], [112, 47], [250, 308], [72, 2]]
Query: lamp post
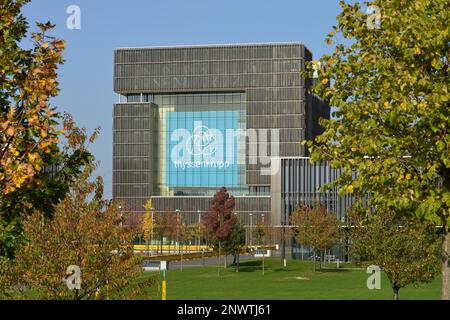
[[264, 251], [121, 215], [151, 237], [251, 229], [199, 223], [178, 221], [178, 237]]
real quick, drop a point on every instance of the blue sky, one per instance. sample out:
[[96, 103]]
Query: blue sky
[[87, 76]]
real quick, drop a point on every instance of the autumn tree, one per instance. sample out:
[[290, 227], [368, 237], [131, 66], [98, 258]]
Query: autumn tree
[[407, 252], [194, 233], [219, 220], [170, 222], [34, 172], [388, 79], [314, 227], [236, 242], [262, 234], [160, 229], [86, 231], [148, 223]]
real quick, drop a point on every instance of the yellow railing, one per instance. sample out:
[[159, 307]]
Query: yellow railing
[[174, 248]]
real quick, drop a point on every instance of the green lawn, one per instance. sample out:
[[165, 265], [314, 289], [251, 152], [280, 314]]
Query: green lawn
[[203, 283]]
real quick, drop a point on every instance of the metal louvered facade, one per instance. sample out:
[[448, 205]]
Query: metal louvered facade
[[268, 78], [301, 183]]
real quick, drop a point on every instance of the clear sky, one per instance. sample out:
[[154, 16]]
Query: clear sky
[[87, 76]]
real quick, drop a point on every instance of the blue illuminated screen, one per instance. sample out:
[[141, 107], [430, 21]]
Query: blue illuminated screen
[[199, 152]]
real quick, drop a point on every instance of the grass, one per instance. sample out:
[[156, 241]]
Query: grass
[[295, 282]]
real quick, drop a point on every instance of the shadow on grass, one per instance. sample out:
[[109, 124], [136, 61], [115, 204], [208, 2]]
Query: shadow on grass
[[250, 266], [282, 270], [325, 270]]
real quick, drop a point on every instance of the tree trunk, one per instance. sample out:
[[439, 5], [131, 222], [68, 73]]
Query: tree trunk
[[263, 266], [321, 257], [182, 256], [314, 260], [218, 264], [237, 261], [446, 265], [283, 245], [396, 290]]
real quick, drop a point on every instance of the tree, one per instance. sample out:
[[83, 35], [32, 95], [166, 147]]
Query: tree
[[236, 242], [219, 220], [47, 189], [160, 230], [181, 230], [407, 252], [315, 228], [86, 231], [194, 233], [29, 133], [262, 233], [284, 234], [148, 223], [170, 223], [389, 85]]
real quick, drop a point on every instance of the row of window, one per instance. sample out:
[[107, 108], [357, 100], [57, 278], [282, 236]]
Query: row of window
[[254, 95], [192, 100], [134, 110], [180, 122], [133, 123], [208, 68], [275, 108], [275, 121], [142, 137], [275, 94], [133, 164], [207, 103], [200, 99], [259, 190], [255, 178], [207, 82], [210, 53], [211, 180]]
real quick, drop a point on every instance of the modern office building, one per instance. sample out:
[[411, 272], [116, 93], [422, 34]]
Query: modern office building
[[191, 119]]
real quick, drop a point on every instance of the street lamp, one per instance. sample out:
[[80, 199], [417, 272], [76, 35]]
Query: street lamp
[[178, 221], [121, 215], [199, 223], [251, 228], [153, 222]]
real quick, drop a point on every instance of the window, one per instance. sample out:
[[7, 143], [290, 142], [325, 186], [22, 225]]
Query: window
[[134, 98]]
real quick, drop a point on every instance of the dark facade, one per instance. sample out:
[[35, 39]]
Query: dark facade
[[300, 182], [255, 86]]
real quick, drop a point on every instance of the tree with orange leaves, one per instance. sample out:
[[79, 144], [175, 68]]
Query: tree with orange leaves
[[86, 231], [34, 172], [315, 228]]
